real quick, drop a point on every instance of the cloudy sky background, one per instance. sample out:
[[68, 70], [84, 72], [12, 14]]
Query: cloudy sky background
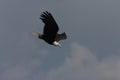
[[91, 52]]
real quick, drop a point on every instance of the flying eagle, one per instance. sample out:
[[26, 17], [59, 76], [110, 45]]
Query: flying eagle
[[51, 28]]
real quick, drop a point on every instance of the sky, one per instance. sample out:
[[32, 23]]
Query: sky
[[91, 52]]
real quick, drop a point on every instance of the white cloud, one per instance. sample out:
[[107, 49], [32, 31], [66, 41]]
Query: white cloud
[[21, 69], [83, 65]]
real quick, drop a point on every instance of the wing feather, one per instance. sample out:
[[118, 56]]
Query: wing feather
[[51, 28]]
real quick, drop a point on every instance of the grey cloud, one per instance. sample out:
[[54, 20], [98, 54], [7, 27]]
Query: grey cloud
[[83, 65]]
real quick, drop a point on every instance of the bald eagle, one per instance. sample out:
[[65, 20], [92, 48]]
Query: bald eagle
[[51, 28]]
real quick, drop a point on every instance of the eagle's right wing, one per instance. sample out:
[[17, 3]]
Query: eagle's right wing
[[51, 27]]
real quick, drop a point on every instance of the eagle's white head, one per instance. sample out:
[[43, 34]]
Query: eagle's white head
[[55, 43]]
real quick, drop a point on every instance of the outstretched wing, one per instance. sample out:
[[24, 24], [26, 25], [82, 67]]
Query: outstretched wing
[[51, 27], [61, 37]]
